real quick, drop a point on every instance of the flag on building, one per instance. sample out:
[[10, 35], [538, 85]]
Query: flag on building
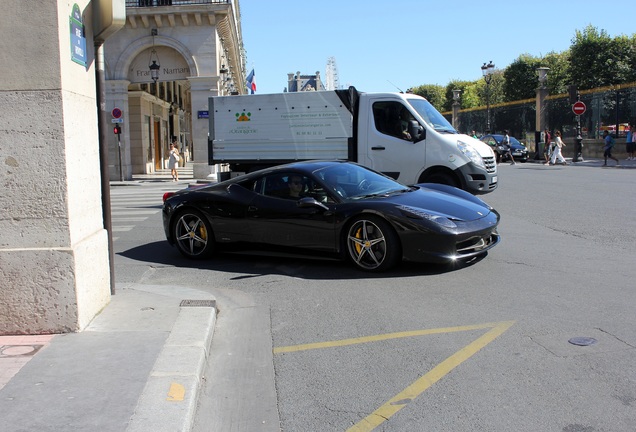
[[251, 82]]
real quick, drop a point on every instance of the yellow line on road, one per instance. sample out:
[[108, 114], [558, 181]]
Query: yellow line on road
[[403, 398], [377, 338]]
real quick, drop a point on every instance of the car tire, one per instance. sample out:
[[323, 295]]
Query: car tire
[[372, 244], [192, 234]]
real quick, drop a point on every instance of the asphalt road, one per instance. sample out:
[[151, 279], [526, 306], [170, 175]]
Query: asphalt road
[[320, 346]]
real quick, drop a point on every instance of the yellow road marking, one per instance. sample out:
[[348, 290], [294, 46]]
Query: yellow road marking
[[176, 392], [377, 338], [400, 400]]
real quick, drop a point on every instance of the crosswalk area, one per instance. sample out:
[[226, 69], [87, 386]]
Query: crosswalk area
[[132, 205]]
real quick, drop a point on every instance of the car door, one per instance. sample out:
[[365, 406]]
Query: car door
[[390, 148], [279, 220]]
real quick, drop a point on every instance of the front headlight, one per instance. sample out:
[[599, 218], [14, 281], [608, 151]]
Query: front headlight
[[470, 153], [418, 213]]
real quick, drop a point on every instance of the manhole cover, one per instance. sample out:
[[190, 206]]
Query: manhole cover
[[582, 341], [198, 303]]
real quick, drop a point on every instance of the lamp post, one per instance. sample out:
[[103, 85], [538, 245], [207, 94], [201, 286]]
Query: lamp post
[[487, 70], [456, 108], [154, 65], [542, 95]]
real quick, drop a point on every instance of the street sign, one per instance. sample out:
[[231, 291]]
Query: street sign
[[579, 108], [116, 113], [117, 120]]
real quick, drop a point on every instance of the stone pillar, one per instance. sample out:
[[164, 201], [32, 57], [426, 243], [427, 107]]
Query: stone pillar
[[540, 119], [53, 247], [201, 89]]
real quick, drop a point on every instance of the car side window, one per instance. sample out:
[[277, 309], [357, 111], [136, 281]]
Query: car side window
[[283, 185]]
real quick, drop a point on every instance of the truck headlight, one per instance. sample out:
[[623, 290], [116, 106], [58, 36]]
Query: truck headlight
[[470, 153]]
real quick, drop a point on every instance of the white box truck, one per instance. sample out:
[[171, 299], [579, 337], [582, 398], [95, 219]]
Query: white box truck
[[401, 135]]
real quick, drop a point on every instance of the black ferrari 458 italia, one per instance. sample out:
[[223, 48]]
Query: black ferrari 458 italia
[[332, 209]]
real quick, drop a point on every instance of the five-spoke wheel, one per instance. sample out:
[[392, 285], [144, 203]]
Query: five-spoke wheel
[[372, 244], [193, 234]]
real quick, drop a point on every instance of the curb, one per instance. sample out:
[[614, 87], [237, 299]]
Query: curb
[[169, 398]]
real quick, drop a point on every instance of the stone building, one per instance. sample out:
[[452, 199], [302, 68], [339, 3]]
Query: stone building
[[198, 47], [298, 82]]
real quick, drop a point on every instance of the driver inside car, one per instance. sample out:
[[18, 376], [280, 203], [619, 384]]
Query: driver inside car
[[295, 185]]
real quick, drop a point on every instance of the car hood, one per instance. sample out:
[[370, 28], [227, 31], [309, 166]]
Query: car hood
[[445, 204]]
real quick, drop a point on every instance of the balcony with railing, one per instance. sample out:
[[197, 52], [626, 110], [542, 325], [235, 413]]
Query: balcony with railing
[[155, 3]]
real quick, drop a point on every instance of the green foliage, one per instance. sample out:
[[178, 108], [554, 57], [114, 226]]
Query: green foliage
[[593, 60], [435, 94], [462, 86], [559, 73], [521, 78], [597, 60]]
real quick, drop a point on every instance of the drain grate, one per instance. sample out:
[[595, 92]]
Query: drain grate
[[198, 303]]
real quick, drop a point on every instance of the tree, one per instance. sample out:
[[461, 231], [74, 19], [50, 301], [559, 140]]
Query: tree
[[597, 60], [559, 73], [465, 95], [433, 93], [521, 78]]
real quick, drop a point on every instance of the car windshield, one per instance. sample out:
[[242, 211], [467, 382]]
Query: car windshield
[[431, 116], [355, 182]]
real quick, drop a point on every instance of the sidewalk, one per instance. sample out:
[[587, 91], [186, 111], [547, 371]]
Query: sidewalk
[[136, 367], [623, 163]]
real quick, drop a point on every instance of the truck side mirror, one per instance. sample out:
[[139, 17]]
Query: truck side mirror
[[417, 131]]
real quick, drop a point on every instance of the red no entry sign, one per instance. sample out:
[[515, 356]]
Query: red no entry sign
[[578, 108]]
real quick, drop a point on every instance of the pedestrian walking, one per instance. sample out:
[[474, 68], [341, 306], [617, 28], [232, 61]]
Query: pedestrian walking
[[556, 152], [507, 149], [547, 139], [631, 142], [607, 148], [173, 160]]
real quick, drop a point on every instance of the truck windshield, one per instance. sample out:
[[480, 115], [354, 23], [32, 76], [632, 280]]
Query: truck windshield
[[431, 116]]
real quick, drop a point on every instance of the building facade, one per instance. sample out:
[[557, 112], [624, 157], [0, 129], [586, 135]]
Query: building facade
[[198, 47], [298, 82]]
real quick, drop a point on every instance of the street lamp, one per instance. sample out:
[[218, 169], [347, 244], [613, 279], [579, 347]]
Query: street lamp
[[154, 64], [487, 70]]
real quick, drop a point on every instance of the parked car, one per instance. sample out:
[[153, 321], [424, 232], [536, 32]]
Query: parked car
[[333, 209], [518, 150]]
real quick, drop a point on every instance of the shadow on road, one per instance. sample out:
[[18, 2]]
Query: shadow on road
[[253, 264]]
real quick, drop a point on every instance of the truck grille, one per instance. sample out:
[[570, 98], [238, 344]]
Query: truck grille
[[490, 163]]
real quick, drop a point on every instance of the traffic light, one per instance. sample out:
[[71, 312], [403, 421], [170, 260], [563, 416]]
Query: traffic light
[[117, 130], [574, 92]]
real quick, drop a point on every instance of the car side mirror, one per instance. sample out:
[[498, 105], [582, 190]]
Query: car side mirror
[[307, 202], [417, 131]]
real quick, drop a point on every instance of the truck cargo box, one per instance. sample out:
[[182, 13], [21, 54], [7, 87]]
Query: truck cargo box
[[280, 128]]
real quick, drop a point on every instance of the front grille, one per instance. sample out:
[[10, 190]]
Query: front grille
[[476, 244], [490, 163]]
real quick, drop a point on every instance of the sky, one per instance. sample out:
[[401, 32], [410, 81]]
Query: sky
[[397, 44]]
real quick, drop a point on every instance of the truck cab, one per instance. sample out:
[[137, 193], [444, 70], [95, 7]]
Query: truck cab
[[409, 140]]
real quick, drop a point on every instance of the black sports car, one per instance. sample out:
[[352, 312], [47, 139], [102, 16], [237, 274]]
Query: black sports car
[[331, 208]]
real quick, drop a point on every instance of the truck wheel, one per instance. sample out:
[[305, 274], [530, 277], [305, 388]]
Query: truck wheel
[[372, 244], [192, 234], [442, 178]]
